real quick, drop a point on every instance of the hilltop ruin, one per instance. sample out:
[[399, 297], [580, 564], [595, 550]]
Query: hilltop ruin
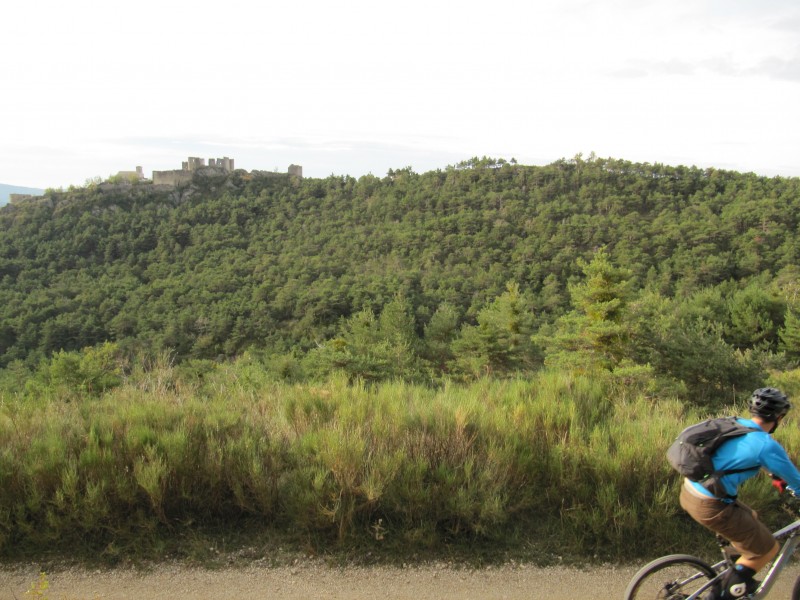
[[190, 166]]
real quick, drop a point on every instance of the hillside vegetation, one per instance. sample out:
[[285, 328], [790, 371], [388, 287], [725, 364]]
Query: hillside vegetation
[[484, 268], [491, 352]]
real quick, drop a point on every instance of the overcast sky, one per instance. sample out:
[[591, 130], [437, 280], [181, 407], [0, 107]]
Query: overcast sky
[[356, 87]]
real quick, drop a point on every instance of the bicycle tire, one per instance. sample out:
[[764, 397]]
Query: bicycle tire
[[672, 577]]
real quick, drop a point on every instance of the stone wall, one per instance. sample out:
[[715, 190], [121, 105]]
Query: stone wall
[[221, 165], [138, 174], [176, 177]]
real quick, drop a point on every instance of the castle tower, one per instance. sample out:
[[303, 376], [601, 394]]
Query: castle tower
[[196, 163]]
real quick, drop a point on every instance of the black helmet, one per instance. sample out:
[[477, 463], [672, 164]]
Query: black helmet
[[769, 403]]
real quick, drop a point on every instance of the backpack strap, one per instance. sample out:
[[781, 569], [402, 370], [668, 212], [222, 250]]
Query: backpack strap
[[714, 485], [713, 482]]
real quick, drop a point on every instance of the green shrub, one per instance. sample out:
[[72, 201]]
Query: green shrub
[[574, 461]]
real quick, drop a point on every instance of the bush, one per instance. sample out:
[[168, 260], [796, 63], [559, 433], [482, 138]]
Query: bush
[[574, 461]]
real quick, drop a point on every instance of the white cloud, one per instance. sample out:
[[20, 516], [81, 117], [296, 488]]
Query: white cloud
[[780, 67], [358, 86]]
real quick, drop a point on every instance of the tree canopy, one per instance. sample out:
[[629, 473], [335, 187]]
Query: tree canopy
[[484, 267]]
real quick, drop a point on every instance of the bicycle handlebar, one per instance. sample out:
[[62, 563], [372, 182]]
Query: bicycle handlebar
[[778, 483]]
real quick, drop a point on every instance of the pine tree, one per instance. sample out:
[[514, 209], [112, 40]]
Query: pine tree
[[790, 335], [500, 342], [594, 333]]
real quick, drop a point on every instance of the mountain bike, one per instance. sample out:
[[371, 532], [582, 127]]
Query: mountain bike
[[687, 577]]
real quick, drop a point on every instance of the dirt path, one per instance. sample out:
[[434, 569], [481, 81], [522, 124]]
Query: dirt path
[[314, 581]]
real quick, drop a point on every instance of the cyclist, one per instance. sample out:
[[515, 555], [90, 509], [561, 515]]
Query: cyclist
[[729, 517]]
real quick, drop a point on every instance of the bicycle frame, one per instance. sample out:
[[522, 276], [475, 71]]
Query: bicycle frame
[[792, 540], [790, 534]]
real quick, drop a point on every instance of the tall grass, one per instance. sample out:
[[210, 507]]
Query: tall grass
[[572, 464]]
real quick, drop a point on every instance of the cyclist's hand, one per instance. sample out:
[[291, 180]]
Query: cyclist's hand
[[778, 483]]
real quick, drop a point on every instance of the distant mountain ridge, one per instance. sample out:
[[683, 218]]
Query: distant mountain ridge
[[6, 190]]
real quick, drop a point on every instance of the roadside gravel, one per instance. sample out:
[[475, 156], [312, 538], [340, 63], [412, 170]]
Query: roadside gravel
[[312, 580]]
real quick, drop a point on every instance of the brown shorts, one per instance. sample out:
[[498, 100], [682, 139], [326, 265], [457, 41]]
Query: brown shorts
[[733, 521]]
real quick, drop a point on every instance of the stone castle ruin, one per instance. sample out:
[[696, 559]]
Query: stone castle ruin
[[189, 167], [15, 198], [174, 177], [136, 175], [193, 164]]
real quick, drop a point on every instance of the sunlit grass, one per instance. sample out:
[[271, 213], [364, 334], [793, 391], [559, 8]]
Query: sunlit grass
[[576, 460]]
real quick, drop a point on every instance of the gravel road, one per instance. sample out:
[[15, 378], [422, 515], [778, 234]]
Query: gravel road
[[312, 581], [317, 581]]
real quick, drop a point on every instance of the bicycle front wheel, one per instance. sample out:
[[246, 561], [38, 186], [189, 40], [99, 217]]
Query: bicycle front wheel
[[673, 577]]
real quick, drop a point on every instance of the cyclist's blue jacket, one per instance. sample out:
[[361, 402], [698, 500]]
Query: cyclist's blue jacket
[[758, 450]]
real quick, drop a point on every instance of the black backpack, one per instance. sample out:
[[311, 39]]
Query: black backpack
[[691, 453]]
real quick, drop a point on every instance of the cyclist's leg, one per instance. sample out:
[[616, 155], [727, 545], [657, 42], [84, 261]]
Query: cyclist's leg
[[738, 524], [758, 562]]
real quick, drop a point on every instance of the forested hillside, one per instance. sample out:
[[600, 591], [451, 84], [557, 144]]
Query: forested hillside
[[416, 362], [486, 267]]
